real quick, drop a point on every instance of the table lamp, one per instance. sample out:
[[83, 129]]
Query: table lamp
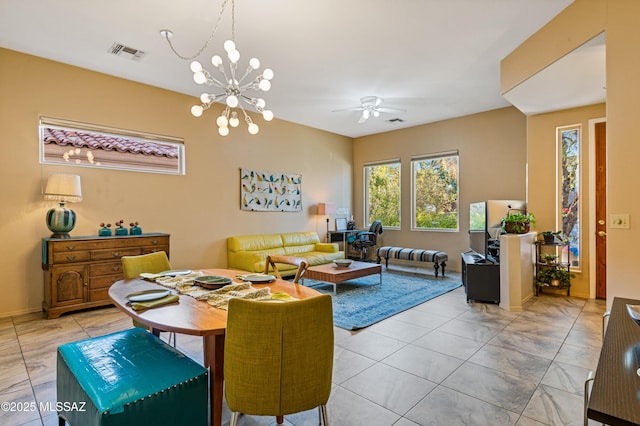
[[63, 188], [327, 208]]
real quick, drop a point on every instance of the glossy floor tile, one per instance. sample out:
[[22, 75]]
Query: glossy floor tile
[[444, 362]]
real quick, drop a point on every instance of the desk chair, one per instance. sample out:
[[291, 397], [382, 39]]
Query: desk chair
[[366, 239], [278, 357], [133, 266], [301, 263]]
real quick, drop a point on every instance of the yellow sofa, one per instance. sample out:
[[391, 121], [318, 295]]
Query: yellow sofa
[[249, 252]]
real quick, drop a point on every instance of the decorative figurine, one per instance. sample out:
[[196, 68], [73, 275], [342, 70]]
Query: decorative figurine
[[105, 230], [121, 230], [135, 229]]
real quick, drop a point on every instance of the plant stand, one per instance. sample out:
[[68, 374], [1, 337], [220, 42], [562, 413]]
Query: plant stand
[[556, 275]]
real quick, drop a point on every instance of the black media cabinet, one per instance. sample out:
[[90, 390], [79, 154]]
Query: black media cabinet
[[480, 279]]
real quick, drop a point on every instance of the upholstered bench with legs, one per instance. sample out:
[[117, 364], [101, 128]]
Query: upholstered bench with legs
[[129, 378], [439, 258]]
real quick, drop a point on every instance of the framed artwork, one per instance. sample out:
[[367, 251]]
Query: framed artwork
[[270, 191], [341, 224]]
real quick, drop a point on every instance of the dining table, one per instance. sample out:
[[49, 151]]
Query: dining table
[[197, 318]]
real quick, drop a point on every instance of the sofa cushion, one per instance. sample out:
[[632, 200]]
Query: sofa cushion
[[254, 242], [299, 238]]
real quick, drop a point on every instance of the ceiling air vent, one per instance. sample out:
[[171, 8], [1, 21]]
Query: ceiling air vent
[[120, 49], [395, 120]]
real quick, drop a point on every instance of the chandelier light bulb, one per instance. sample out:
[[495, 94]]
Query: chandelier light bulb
[[216, 61], [232, 101], [267, 115], [196, 66], [233, 121], [224, 131], [222, 121], [196, 110], [229, 45], [260, 103], [265, 85], [253, 128], [254, 63], [267, 73], [199, 77], [234, 56], [205, 98]]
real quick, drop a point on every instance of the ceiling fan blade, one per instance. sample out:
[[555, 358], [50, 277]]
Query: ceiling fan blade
[[348, 109], [391, 110], [362, 119]]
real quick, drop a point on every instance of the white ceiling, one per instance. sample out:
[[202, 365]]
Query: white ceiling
[[436, 59]]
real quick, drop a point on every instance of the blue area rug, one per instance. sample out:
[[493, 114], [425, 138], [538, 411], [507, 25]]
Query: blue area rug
[[361, 302]]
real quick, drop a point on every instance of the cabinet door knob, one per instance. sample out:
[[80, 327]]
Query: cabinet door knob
[[71, 258]]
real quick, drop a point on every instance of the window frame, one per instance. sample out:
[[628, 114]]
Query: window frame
[[365, 173], [434, 156], [559, 189], [114, 159]]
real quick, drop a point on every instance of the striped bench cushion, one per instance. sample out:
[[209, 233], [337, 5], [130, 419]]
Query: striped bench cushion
[[439, 258], [418, 255]]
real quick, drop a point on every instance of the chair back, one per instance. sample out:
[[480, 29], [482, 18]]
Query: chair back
[[133, 266], [376, 227], [272, 260], [278, 356]]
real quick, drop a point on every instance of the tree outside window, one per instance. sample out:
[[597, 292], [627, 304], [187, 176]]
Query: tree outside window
[[382, 194], [435, 192], [570, 190]]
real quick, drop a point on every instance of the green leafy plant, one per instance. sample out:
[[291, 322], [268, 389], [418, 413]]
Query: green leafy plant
[[549, 257], [518, 223], [546, 276], [551, 236]]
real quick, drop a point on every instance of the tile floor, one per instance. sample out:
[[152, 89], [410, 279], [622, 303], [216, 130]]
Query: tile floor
[[444, 362]]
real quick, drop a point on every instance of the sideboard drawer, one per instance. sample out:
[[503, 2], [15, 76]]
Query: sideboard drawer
[[115, 253], [71, 257], [106, 268]]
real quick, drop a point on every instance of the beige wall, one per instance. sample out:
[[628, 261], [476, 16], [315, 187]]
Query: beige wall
[[492, 148], [200, 210], [619, 19], [541, 151]]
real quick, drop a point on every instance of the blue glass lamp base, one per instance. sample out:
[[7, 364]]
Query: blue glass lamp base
[[61, 221]]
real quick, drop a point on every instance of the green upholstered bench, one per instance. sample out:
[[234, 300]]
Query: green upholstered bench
[[129, 378]]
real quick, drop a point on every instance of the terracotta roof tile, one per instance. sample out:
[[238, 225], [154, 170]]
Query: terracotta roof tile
[[80, 139]]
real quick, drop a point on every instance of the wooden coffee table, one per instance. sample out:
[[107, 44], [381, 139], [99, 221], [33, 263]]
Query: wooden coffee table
[[334, 275]]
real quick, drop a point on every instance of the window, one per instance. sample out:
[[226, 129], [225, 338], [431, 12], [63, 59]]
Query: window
[[79, 144], [569, 189], [435, 191], [382, 193]]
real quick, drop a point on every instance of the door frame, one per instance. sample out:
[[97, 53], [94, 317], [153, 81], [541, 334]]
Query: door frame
[[592, 206]]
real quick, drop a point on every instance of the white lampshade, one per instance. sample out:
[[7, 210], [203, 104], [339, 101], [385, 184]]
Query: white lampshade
[[63, 187], [327, 208]]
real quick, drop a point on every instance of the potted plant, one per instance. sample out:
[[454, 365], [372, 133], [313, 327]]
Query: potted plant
[[550, 258], [550, 236], [518, 223], [555, 277]]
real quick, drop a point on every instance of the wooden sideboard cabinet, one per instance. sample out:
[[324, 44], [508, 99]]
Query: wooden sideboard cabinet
[[79, 271]]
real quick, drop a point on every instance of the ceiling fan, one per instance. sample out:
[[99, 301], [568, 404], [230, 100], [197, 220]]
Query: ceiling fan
[[370, 107]]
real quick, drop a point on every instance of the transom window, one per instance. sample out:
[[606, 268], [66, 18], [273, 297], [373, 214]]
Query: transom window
[[86, 145]]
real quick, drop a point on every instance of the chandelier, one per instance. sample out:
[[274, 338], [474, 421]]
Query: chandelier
[[232, 90]]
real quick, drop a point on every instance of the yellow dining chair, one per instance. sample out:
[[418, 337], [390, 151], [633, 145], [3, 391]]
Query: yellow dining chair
[[133, 266], [278, 357], [301, 263]]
